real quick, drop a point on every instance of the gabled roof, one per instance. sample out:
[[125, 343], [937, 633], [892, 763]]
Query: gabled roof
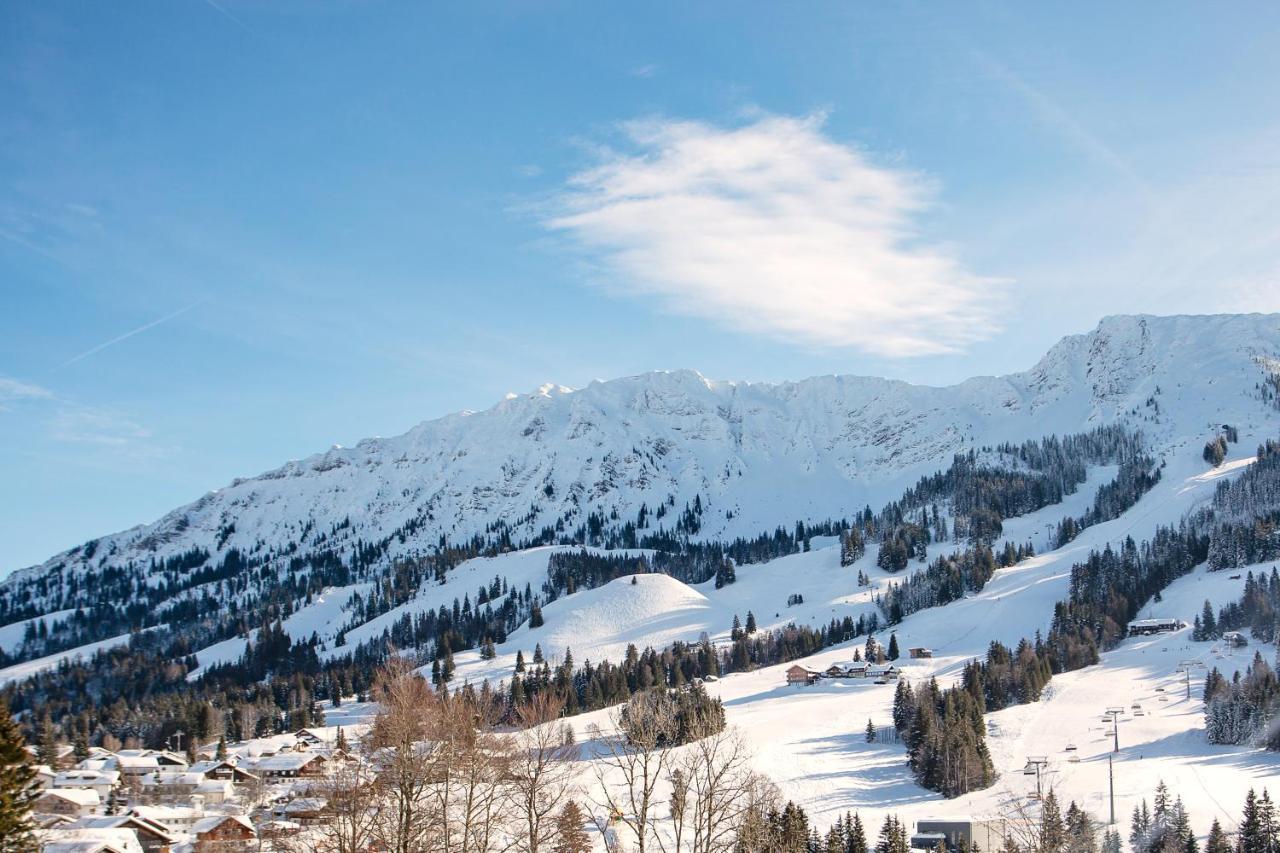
[[79, 796], [287, 761], [81, 778], [123, 821], [107, 840], [212, 822]]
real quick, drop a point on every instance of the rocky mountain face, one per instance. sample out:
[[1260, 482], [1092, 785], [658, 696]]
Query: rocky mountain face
[[670, 452]]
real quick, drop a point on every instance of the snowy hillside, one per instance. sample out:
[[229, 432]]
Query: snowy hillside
[[620, 463]]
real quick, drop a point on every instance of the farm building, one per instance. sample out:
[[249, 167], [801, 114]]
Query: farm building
[[798, 674], [920, 652]]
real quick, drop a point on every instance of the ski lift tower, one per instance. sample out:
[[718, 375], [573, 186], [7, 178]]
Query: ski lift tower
[[1185, 668], [1035, 763], [1114, 713]]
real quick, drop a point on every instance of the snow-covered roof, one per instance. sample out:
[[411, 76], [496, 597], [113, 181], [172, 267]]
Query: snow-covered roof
[[80, 778], [207, 824], [120, 821], [79, 796], [287, 761], [96, 840]]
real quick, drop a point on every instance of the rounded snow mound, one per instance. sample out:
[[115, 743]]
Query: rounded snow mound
[[644, 610]]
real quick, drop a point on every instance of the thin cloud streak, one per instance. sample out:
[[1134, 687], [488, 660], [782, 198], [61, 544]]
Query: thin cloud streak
[[230, 17], [145, 327], [774, 229], [1055, 116]]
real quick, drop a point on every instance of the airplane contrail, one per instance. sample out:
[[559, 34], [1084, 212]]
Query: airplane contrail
[[166, 318], [230, 17]]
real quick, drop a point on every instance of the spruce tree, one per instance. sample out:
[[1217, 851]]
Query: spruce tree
[[1218, 841], [571, 836], [1053, 833], [16, 791], [871, 732], [857, 836], [893, 646]]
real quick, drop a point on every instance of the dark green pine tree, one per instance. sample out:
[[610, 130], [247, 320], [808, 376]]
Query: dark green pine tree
[[1252, 836], [893, 652], [751, 622], [16, 791], [856, 840], [871, 732], [1053, 832], [1218, 841]]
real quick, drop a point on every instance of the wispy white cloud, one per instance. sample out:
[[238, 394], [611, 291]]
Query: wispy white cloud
[[82, 425], [129, 334], [68, 421], [15, 389], [776, 229], [644, 71]]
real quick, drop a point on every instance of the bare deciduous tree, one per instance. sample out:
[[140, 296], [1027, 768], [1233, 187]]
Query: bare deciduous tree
[[541, 771], [352, 798], [636, 755], [404, 757], [711, 782]]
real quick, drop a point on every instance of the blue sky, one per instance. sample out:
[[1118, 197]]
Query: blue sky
[[233, 234]]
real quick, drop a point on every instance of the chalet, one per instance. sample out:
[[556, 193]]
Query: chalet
[[885, 671], [61, 840], [310, 737], [305, 811], [797, 674], [1235, 639], [857, 669], [1140, 627], [220, 833], [214, 769], [920, 652], [174, 818], [133, 763], [72, 802], [102, 781], [154, 837], [289, 765]]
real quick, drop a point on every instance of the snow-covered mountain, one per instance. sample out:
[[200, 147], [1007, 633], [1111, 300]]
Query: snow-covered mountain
[[562, 464]]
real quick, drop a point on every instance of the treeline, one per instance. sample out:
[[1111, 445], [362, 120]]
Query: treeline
[[593, 686], [949, 578], [1257, 611], [1109, 587], [1243, 709], [138, 695]]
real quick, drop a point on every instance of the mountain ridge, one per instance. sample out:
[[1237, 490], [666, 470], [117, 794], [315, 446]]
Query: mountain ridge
[[905, 434]]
